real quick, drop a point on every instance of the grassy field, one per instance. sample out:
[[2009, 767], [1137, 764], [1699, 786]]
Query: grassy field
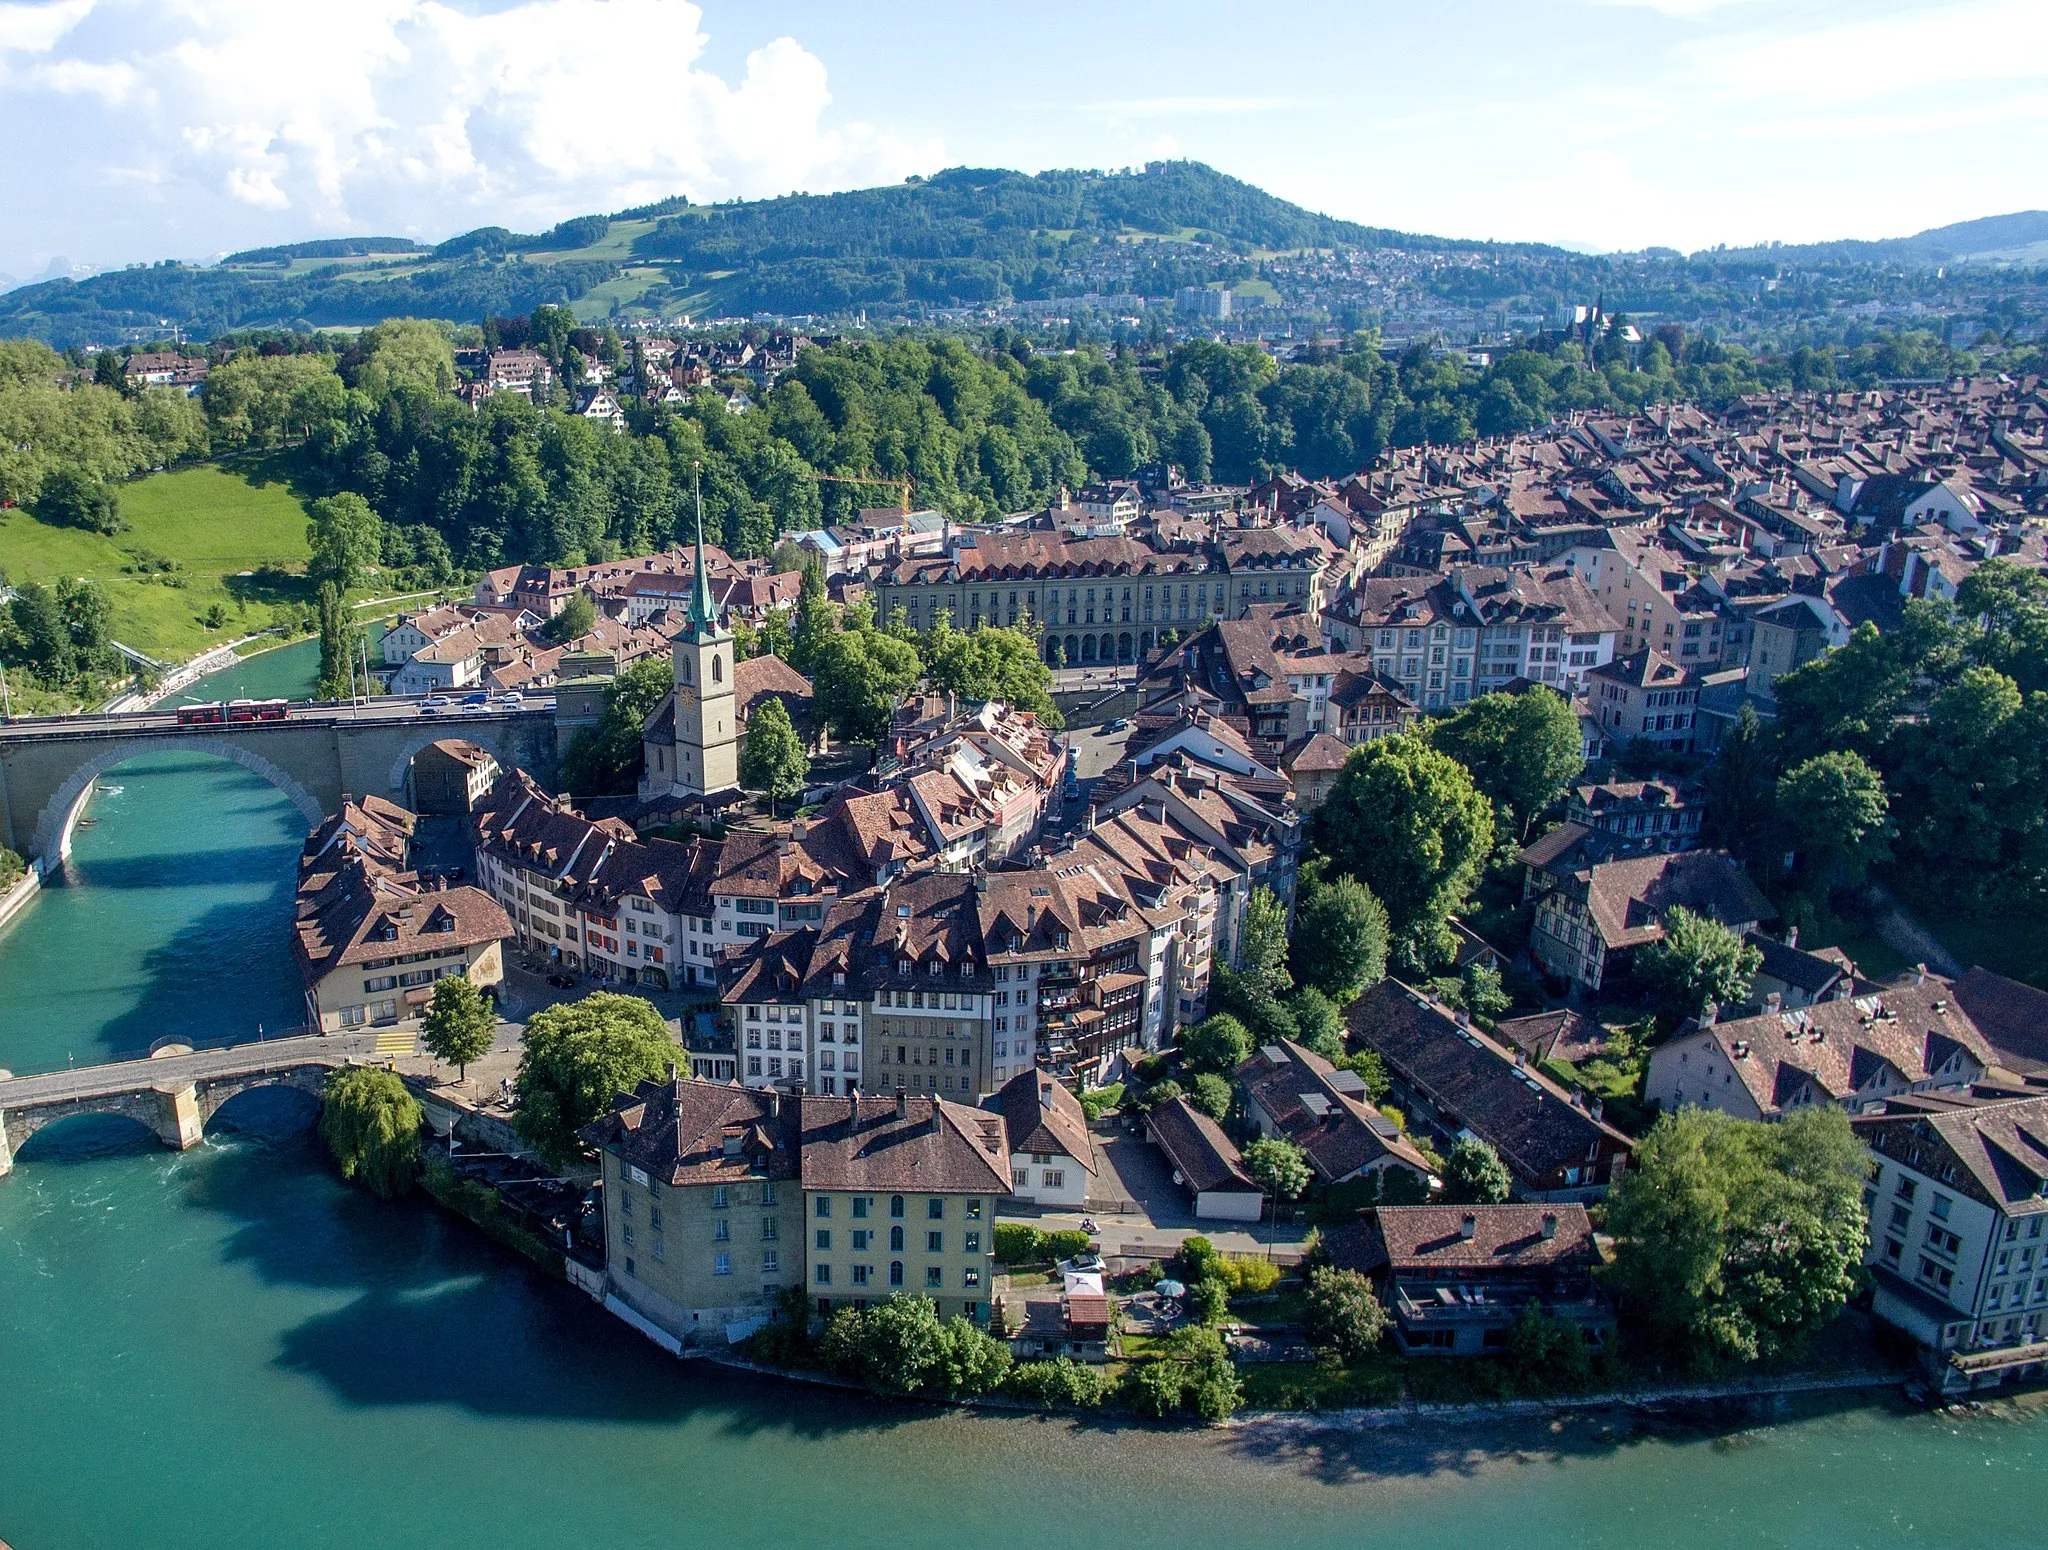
[[214, 523]]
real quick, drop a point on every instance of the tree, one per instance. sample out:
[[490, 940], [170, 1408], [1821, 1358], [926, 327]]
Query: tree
[[1279, 1168], [772, 758], [347, 539], [576, 620], [70, 497], [1406, 820], [1318, 1023], [1485, 996], [1741, 794], [1262, 946], [1835, 810], [1340, 938], [88, 615], [991, 663], [1847, 698], [1217, 1044], [1524, 750], [1698, 960], [1210, 1094], [339, 641], [1545, 1352], [607, 758], [372, 1126], [38, 617], [1474, 1175], [1733, 1239], [1340, 1314], [406, 352], [459, 1024], [577, 1057], [861, 675]]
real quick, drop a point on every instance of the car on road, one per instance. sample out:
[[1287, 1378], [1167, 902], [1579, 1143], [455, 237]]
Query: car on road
[[509, 701], [476, 699], [1121, 724], [433, 702], [562, 981]]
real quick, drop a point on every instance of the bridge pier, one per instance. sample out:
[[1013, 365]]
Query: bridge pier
[[6, 1151], [179, 1123]]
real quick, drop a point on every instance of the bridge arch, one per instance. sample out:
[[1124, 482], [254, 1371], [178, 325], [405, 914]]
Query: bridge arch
[[52, 839]]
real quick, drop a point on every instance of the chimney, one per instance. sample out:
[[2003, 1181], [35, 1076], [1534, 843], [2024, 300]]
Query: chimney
[[1468, 1229], [1774, 1001], [774, 1104], [1919, 973], [1791, 936], [902, 1104], [1549, 1227], [672, 1074], [1709, 1015]]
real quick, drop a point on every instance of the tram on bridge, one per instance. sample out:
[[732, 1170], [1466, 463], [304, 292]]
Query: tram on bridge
[[225, 712]]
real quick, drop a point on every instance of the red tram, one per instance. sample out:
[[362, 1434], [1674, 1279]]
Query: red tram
[[218, 713]]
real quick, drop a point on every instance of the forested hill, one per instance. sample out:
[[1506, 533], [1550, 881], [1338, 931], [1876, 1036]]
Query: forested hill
[[959, 238]]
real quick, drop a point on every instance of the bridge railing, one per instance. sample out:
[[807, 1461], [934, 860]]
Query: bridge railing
[[85, 1059]]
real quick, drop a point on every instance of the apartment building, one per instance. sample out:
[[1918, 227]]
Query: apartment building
[[369, 937], [703, 1205], [1957, 1258], [1592, 914], [900, 1196], [1647, 698]]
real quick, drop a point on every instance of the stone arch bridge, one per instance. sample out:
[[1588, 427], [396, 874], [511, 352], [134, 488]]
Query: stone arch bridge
[[314, 755], [173, 1095]]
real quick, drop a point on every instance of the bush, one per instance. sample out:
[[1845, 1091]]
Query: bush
[[1060, 1382], [1247, 1276], [1209, 1299], [1018, 1244], [1065, 1243], [1194, 1374], [1153, 1068], [901, 1347], [1098, 1101], [1150, 1099], [1218, 1044], [1547, 1353], [1196, 1261]]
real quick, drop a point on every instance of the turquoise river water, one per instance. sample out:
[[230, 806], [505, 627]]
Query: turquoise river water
[[228, 1348]]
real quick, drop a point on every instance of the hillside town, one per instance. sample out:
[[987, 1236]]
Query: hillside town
[[922, 995]]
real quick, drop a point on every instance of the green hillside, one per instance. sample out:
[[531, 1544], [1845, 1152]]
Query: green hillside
[[962, 237], [210, 524]]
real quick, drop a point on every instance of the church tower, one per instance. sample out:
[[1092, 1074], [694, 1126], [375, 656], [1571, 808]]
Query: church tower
[[707, 746]]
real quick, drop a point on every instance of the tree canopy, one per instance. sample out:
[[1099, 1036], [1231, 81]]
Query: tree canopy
[[371, 1124], [459, 1024], [1733, 1240], [1696, 962], [1339, 945], [578, 1055], [1406, 820], [1524, 750], [772, 757]]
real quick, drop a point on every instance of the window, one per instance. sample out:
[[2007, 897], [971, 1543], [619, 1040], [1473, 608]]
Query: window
[[721, 1230], [721, 1264], [824, 1275], [935, 1243], [860, 1275], [895, 1240], [974, 1210], [860, 1207], [972, 1245], [718, 1197], [824, 1205], [935, 1208], [771, 1263], [895, 1272], [823, 1240], [896, 1201], [860, 1239], [1055, 1179], [934, 1276], [1940, 1207], [970, 1277], [771, 1229]]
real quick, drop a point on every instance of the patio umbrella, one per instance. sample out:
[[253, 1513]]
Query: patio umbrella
[[1169, 1288]]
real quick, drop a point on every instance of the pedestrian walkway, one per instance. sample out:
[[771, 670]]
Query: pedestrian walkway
[[395, 1041]]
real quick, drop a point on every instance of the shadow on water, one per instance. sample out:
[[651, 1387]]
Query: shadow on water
[[87, 1138], [199, 867], [179, 992], [444, 1316]]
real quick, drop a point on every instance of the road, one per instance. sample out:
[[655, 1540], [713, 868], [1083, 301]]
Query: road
[[127, 1076]]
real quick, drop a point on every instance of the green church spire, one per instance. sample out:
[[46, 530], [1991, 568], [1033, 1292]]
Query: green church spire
[[703, 615]]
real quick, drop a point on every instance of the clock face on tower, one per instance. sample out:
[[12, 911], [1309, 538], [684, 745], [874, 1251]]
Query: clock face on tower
[[686, 697]]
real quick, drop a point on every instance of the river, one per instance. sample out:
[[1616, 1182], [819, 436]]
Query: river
[[228, 1348]]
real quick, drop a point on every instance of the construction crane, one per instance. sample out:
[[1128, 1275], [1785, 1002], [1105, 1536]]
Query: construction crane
[[893, 484]]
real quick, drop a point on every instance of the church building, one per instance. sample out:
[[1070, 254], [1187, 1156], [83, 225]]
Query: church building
[[691, 745]]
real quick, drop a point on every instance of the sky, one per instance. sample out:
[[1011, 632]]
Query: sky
[[144, 129]]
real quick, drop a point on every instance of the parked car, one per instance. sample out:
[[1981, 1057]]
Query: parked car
[[562, 981]]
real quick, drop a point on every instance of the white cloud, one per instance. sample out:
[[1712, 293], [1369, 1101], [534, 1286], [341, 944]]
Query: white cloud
[[269, 119]]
